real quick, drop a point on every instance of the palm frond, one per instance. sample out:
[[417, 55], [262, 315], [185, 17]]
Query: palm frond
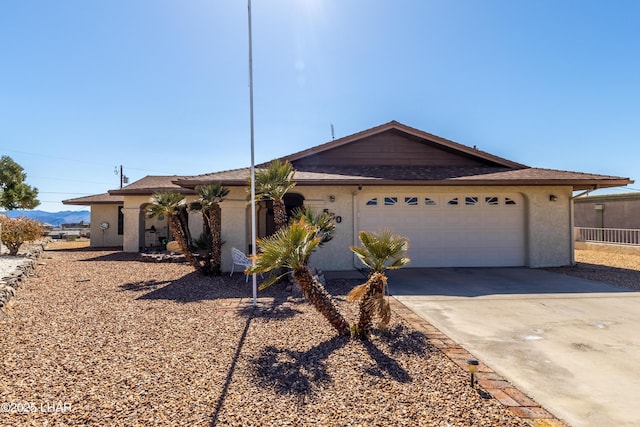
[[289, 247], [357, 293], [273, 182], [378, 305], [381, 251], [272, 280], [325, 222], [164, 204]]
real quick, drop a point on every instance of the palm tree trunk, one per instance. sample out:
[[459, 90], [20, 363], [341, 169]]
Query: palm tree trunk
[[207, 263], [176, 228], [375, 289], [183, 217], [318, 296], [279, 214], [215, 227]]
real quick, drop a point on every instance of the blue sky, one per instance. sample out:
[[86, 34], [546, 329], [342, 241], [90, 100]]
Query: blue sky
[[162, 87]]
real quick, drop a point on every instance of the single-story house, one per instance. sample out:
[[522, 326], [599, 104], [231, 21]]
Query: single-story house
[[457, 205], [608, 211]]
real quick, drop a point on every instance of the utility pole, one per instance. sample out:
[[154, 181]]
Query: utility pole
[[123, 178]]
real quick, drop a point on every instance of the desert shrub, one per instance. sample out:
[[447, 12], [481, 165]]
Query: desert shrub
[[16, 231]]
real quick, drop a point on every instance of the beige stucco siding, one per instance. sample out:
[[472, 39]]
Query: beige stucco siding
[[547, 223], [109, 237], [335, 255], [617, 211], [549, 233], [235, 214]]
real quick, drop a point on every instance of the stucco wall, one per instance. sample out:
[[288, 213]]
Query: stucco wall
[[547, 223], [335, 255], [615, 212], [109, 237], [548, 226], [236, 222]]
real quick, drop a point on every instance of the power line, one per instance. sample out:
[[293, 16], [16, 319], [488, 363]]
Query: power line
[[68, 179], [75, 160], [63, 192]]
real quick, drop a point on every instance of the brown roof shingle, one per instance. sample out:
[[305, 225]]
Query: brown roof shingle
[[152, 184], [96, 199]]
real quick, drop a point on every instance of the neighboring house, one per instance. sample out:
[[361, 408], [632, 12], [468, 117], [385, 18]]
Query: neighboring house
[[608, 211], [457, 205]]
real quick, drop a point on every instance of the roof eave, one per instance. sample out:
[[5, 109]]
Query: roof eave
[[149, 191], [576, 184], [191, 184]]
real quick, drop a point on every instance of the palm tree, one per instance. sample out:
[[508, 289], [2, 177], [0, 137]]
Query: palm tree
[[323, 221], [379, 252], [272, 184], [208, 204], [171, 205], [290, 248]]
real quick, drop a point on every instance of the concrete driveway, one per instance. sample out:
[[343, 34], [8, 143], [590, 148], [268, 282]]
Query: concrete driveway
[[571, 344]]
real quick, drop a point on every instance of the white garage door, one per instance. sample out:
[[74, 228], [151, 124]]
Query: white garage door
[[451, 230]]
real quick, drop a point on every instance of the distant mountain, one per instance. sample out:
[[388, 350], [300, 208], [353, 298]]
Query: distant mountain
[[54, 218]]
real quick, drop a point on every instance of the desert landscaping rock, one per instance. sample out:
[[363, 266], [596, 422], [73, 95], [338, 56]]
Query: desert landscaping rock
[[612, 266], [101, 338], [156, 344]]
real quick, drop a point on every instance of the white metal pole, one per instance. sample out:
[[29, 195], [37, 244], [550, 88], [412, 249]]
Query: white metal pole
[[253, 171]]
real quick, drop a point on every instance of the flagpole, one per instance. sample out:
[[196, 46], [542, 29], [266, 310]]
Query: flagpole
[[253, 171]]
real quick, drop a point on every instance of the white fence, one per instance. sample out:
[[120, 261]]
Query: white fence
[[617, 236]]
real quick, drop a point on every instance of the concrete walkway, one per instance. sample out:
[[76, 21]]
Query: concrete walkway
[[571, 344]]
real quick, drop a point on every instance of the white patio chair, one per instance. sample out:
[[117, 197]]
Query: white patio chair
[[239, 258]]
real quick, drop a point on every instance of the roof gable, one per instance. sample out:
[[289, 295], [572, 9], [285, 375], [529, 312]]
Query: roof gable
[[395, 144]]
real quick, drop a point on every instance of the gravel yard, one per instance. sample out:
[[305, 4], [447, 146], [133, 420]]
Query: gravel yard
[[612, 267], [100, 338]]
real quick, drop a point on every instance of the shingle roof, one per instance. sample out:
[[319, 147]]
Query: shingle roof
[[395, 175], [491, 169], [95, 199], [152, 184]]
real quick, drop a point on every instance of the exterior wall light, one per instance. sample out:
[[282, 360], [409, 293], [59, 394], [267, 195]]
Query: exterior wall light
[[472, 364], [332, 198], [553, 198]]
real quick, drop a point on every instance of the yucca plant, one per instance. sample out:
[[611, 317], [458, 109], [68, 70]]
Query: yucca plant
[[379, 251], [290, 248]]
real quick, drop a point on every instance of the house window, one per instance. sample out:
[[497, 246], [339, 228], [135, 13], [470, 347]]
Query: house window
[[453, 202], [390, 201], [493, 201], [120, 221], [508, 201], [373, 202], [470, 201], [411, 201], [429, 202]]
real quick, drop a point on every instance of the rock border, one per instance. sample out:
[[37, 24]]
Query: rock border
[[10, 282]]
